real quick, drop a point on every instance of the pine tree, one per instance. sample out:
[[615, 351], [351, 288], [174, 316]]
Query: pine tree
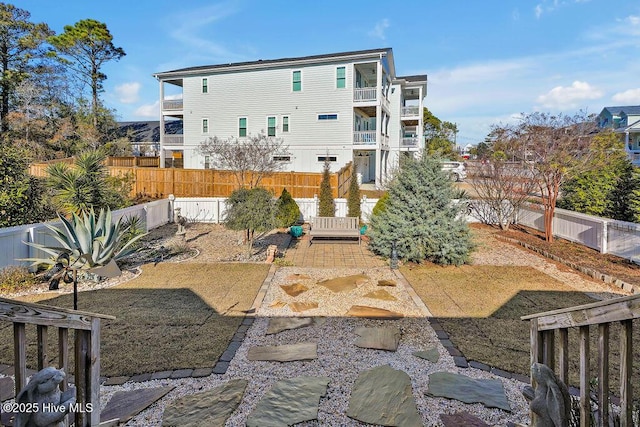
[[353, 199], [327, 205], [421, 217]]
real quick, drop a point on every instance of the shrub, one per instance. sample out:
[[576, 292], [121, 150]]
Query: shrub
[[288, 211], [421, 218], [353, 199], [327, 205], [381, 204], [14, 278]]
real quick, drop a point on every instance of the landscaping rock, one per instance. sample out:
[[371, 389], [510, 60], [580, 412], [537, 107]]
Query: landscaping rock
[[372, 312], [386, 338], [299, 307], [344, 284], [383, 396], [290, 401], [462, 419], [295, 289], [381, 295], [386, 283], [6, 389], [279, 324], [468, 390], [432, 355], [212, 407], [284, 353]]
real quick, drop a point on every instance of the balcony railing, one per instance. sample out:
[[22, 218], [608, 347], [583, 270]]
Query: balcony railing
[[411, 111], [173, 139], [172, 104], [409, 141], [365, 94], [364, 137]]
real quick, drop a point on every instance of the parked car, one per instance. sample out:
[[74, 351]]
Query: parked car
[[456, 170]]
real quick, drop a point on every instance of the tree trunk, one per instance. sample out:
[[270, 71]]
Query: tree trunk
[[94, 95], [4, 89]]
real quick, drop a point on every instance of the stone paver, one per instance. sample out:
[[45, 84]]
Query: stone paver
[[331, 255], [382, 338], [372, 313], [124, 405], [279, 324], [468, 390], [284, 353], [432, 355]]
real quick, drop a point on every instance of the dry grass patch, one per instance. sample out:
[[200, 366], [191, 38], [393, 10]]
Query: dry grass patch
[[480, 308], [172, 316]]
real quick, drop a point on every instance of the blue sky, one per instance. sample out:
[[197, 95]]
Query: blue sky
[[487, 61]]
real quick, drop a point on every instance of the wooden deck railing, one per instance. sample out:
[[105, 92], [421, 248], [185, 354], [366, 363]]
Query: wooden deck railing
[[87, 349], [602, 314]]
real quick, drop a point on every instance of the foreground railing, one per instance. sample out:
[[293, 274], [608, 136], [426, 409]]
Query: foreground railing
[[364, 137], [365, 94], [602, 314], [86, 328]]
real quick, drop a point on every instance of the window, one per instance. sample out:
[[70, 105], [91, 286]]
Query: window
[[329, 158], [297, 81], [205, 125], [285, 124], [205, 85], [207, 162], [341, 78], [281, 158], [271, 126], [327, 117], [242, 126]]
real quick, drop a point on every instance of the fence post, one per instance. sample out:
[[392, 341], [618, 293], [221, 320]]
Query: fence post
[[605, 237]]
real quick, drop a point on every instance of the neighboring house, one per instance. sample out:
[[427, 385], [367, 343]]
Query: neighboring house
[[347, 107], [145, 136], [626, 122]]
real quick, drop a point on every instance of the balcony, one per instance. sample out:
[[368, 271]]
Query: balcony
[[364, 137], [365, 94], [409, 142], [412, 111], [172, 105], [174, 140]]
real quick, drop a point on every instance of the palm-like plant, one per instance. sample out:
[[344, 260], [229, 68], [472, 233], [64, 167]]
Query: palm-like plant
[[87, 243]]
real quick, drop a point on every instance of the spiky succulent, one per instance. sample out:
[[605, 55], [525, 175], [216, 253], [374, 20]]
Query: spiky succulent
[[89, 241]]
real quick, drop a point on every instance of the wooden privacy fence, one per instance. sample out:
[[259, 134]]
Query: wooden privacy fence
[[86, 328], [603, 314], [161, 182]]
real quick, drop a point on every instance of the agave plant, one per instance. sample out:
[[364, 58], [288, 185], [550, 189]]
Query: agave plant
[[90, 242]]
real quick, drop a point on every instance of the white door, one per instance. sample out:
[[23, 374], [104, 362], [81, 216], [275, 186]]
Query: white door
[[362, 167]]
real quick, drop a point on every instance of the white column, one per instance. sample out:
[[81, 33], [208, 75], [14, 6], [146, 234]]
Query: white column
[[162, 153], [379, 123]]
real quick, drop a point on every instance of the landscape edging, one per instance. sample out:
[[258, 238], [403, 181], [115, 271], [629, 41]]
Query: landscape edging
[[606, 278]]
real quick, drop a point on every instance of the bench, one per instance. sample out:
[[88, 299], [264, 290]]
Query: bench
[[337, 227]]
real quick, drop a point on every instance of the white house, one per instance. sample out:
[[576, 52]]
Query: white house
[[626, 122], [348, 106]]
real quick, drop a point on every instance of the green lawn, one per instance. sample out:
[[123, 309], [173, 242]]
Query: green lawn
[[172, 316]]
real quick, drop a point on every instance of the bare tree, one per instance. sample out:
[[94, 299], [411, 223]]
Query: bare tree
[[559, 147], [503, 187], [249, 159]]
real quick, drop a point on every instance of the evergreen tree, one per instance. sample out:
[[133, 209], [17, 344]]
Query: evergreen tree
[[353, 199], [288, 210], [421, 218], [327, 205], [251, 210]]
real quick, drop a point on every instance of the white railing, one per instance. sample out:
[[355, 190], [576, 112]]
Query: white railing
[[365, 94], [173, 139], [409, 141], [411, 111], [172, 104], [364, 137]]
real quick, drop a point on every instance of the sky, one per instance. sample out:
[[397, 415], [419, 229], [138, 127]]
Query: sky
[[487, 61]]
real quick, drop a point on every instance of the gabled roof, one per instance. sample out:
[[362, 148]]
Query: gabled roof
[[355, 54], [628, 109]]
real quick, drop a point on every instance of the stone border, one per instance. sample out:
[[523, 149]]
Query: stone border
[[595, 274]]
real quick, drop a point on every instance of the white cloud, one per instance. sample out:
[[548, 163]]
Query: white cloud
[[379, 29], [569, 96], [631, 96], [538, 11], [128, 92], [148, 110]]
